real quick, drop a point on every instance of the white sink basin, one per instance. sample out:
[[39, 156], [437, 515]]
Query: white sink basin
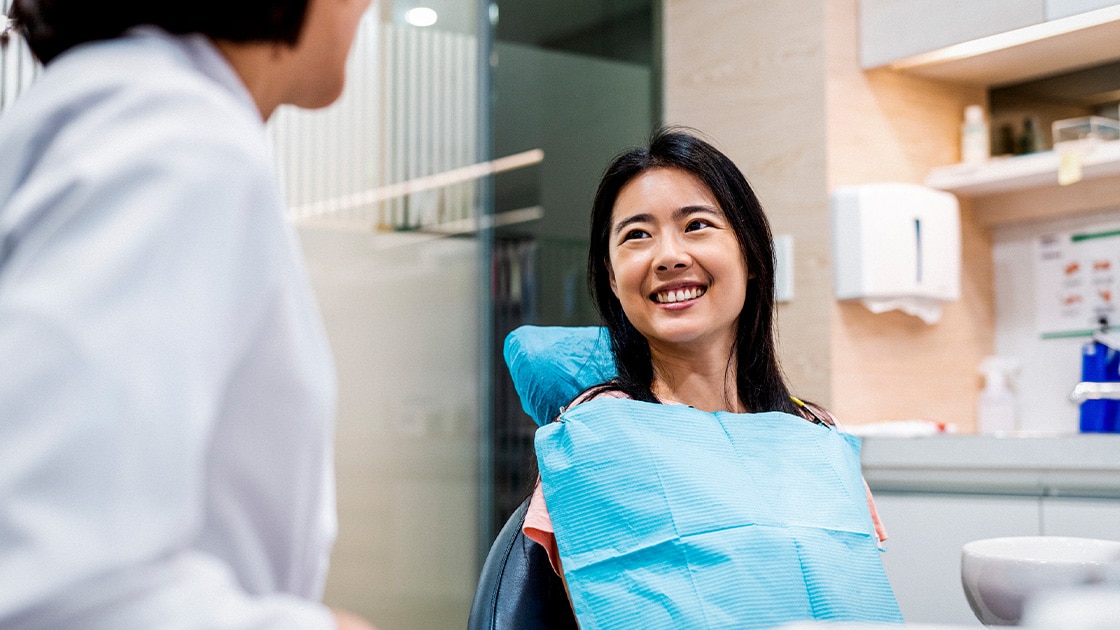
[[1000, 574]]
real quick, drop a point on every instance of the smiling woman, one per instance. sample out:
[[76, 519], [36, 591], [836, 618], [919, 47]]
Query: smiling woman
[[692, 489], [702, 228]]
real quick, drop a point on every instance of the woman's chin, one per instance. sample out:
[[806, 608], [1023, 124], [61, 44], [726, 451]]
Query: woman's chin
[[682, 336]]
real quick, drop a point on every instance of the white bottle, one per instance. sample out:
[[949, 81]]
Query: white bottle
[[995, 411], [976, 145]]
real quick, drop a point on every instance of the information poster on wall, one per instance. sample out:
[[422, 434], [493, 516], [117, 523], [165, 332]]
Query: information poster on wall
[[1077, 281]]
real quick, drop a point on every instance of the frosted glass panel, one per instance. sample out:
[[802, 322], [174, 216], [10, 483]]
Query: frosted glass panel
[[367, 186], [403, 324]]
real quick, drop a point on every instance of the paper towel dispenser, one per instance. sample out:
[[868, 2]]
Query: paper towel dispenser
[[896, 246]]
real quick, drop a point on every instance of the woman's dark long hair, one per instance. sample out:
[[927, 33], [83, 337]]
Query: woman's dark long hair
[[760, 383], [51, 27]]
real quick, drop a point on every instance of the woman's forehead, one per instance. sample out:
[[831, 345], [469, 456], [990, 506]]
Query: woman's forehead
[[663, 189]]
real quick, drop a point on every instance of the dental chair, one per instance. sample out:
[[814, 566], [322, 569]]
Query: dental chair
[[790, 501], [518, 588]]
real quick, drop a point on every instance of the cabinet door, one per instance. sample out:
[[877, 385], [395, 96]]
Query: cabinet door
[[926, 533], [1084, 518], [895, 29], [1064, 8]]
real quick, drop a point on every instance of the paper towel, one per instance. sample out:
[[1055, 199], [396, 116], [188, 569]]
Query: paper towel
[[928, 309]]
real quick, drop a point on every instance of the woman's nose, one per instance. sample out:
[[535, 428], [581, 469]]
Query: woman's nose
[[672, 254]]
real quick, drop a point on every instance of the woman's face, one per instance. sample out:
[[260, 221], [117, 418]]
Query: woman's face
[[674, 262]]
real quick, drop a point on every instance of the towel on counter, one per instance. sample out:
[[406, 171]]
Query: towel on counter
[[551, 365], [666, 516]]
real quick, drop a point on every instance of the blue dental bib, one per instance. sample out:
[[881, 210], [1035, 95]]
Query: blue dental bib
[[670, 517]]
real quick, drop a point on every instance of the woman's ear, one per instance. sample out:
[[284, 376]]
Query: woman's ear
[[610, 274]]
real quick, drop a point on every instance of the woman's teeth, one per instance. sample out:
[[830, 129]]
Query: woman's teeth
[[680, 295]]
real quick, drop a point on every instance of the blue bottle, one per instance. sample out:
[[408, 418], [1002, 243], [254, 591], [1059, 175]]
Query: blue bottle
[[1100, 363]]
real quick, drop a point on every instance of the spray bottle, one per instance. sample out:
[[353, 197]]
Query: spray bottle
[[1100, 363], [995, 411]]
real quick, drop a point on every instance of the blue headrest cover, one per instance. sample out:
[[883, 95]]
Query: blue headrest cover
[[551, 365]]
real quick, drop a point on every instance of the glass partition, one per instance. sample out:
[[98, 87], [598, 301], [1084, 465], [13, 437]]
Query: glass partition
[[389, 189], [578, 79]]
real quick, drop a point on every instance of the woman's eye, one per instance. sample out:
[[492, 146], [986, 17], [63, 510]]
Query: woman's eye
[[696, 224], [633, 234]]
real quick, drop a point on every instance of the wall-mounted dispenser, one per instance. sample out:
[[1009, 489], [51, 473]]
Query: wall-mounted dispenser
[[896, 246]]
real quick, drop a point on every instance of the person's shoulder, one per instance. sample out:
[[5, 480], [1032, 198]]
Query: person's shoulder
[[124, 122], [152, 86]]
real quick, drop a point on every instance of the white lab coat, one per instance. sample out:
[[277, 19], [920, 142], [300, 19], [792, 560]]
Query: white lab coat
[[166, 389]]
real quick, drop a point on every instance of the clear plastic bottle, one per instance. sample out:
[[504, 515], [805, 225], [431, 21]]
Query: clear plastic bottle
[[976, 145]]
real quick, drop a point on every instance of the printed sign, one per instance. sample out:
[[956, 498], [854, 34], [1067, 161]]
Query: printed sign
[[1077, 281]]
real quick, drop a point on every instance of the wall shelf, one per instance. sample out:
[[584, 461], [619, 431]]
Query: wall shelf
[[1023, 171], [1021, 188]]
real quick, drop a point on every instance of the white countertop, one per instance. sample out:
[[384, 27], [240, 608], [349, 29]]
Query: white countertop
[[1076, 465]]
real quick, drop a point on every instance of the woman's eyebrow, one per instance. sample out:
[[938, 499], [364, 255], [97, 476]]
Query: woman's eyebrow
[[636, 218]]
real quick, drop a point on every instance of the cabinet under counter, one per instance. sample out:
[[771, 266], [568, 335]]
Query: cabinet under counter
[[936, 493]]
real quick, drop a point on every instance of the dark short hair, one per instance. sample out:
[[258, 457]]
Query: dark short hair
[[51, 27], [760, 383]]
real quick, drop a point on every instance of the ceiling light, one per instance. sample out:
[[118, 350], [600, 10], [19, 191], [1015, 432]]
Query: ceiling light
[[421, 16]]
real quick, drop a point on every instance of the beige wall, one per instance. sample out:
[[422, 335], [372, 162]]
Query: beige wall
[[752, 76], [778, 84], [884, 126]]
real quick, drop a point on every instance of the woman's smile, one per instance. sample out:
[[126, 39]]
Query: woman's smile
[[678, 296]]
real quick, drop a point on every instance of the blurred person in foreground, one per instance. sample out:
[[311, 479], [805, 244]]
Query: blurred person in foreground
[[168, 395]]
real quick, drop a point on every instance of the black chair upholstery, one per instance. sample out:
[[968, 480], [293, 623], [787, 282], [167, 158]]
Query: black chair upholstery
[[518, 590]]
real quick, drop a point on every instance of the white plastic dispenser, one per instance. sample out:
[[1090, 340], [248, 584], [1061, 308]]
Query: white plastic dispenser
[[896, 246], [995, 409]]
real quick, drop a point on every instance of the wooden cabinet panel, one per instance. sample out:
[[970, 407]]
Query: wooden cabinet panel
[[895, 29], [926, 533]]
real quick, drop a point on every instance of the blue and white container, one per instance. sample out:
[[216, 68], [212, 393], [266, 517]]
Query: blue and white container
[[1100, 363]]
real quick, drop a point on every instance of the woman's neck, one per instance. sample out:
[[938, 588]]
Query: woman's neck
[[257, 64], [702, 379]]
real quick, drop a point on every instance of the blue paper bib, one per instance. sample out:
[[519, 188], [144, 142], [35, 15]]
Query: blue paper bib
[[670, 517]]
